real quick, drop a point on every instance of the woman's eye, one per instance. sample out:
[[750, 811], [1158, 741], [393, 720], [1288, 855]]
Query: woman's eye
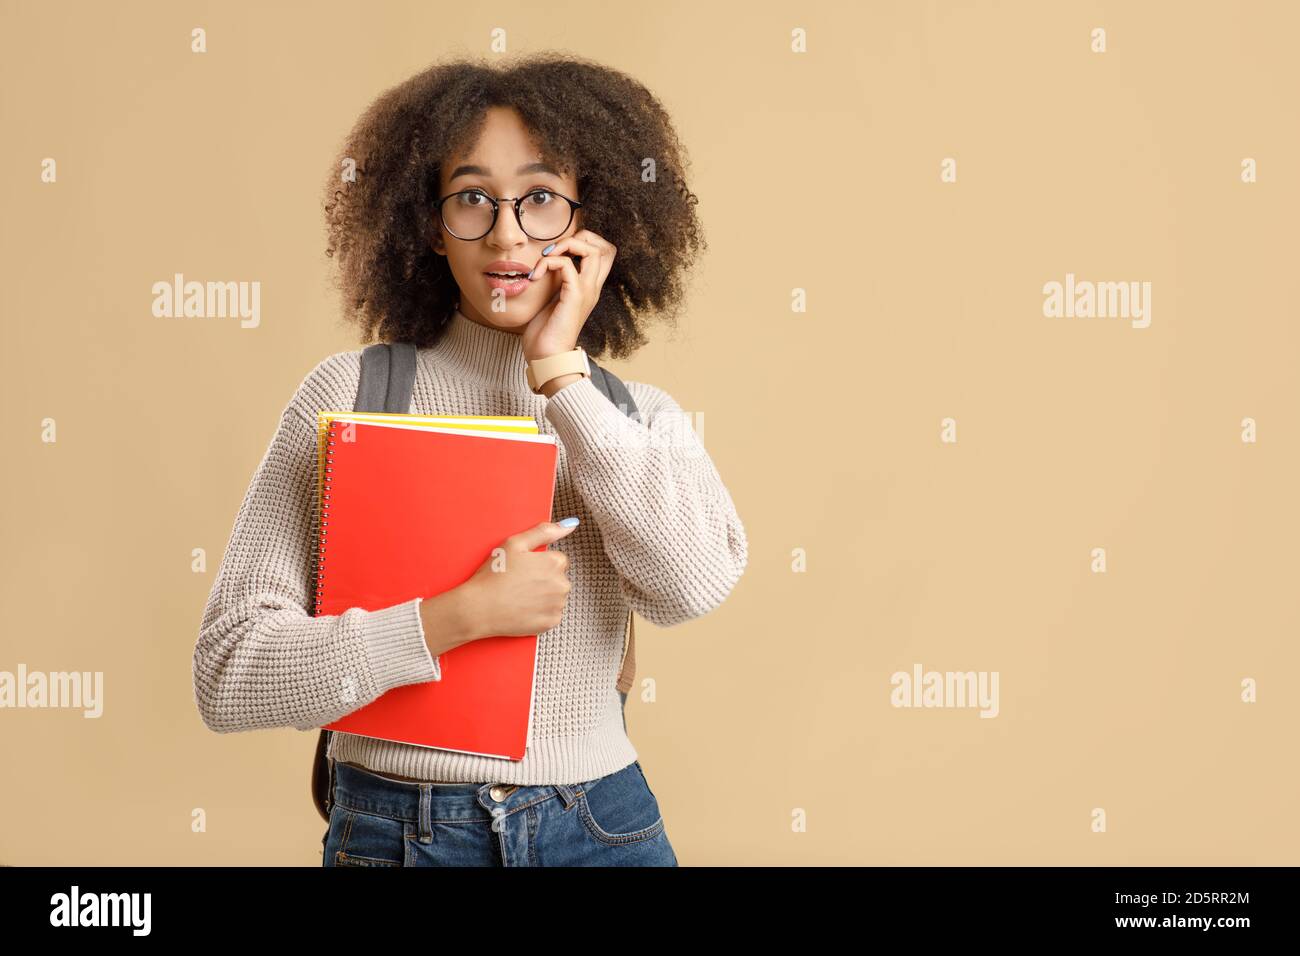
[[540, 198], [466, 199]]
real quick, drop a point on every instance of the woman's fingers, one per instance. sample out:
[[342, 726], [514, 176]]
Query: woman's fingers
[[595, 251]]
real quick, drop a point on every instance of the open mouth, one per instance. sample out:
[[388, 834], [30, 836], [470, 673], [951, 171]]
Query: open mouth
[[509, 284]]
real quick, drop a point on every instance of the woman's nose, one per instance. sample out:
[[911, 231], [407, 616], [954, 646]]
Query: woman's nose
[[507, 229]]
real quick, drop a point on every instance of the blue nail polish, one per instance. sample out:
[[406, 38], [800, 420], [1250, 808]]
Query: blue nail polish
[[568, 522], [548, 248]]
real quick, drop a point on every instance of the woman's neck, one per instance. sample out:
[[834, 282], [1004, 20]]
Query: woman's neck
[[483, 353]]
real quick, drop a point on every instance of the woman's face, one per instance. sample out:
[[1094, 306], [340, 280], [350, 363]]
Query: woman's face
[[503, 163]]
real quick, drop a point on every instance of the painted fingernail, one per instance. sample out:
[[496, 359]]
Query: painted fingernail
[[568, 522], [548, 248], [530, 274]]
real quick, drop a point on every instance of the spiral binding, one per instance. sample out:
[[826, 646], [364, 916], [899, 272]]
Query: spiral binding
[[323, 514]]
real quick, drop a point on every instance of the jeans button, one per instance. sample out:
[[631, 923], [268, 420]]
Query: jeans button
[[499, 792]]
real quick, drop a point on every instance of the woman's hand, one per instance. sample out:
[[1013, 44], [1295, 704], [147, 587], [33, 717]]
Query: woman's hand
[[556, 326], [517, 592]]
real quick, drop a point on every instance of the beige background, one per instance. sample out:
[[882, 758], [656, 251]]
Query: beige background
[[1118, 690]]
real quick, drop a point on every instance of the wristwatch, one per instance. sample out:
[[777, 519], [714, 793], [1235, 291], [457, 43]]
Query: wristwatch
[[543, 370]]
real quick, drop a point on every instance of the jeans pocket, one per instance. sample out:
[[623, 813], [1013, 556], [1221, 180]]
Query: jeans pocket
[[366, 839], [620, 808]]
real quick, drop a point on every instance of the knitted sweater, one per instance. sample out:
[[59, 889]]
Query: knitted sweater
[[659, 534]]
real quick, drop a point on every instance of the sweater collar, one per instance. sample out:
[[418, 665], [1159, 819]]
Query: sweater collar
[[491, 356]]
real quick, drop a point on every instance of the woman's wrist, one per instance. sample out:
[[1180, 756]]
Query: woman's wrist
[[555, 384], [447, 620]]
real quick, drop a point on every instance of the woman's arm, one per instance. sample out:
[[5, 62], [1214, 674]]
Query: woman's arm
[[261, 660], [668, 522]]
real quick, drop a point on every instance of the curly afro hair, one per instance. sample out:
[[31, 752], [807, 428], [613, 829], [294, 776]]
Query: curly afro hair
[[586, 118]]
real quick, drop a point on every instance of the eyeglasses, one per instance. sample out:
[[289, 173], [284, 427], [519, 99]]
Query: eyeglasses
[[470, 214]]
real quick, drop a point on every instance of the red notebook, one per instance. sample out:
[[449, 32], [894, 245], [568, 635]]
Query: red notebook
[[413, 512]]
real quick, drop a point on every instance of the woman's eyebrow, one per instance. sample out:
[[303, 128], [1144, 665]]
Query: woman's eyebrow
[[470, 170]]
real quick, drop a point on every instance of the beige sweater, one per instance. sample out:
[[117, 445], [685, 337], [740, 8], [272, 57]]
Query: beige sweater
[[659, 534]]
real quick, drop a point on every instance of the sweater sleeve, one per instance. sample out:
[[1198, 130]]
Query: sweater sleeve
[[261, 659], [668, 523]]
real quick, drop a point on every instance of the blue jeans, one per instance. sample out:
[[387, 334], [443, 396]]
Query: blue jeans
[[612, 820]]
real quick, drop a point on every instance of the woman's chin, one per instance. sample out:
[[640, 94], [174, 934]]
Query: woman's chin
[[513, 317]]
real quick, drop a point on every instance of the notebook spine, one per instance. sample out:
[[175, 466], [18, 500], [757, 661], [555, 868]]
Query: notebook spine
[[324, 513]]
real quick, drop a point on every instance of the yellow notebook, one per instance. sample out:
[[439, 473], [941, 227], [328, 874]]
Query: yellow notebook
[[522, 424]]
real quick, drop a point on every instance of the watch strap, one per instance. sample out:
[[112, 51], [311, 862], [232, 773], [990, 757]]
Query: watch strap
[[541, 371]]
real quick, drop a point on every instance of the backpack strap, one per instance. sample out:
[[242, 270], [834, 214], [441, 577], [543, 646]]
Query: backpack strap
[[612, 387], [387, 378]]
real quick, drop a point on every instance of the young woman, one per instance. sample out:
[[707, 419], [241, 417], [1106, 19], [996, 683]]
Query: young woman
[[499, 218]]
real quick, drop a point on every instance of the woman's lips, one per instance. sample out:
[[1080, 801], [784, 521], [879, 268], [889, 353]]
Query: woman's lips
[[511, 287]]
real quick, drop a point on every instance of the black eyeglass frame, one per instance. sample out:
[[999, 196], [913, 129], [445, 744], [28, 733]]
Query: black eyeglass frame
[[496, 202]]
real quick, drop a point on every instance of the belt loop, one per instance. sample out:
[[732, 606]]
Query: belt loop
[[566, 794], [426, 822]]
